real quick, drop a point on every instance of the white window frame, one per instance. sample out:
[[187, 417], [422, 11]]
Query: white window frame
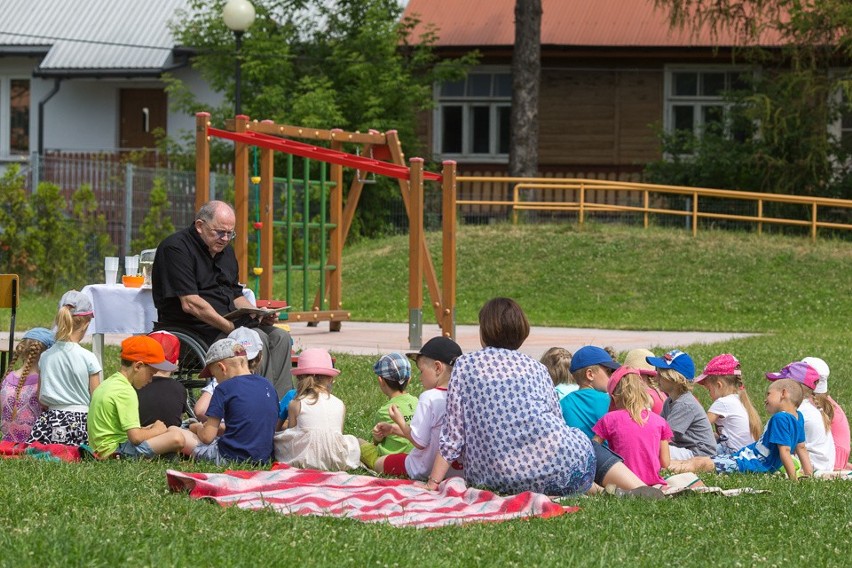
[[835, 128], [468, 102], [670, 100], [6, 116]]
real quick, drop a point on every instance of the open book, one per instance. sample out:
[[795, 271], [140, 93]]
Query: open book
[[259, 312]]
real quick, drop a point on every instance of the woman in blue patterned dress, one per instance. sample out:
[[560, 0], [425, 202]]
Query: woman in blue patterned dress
[[505, 425]]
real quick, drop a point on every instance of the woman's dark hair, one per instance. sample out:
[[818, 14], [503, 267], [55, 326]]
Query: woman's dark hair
[[502, 323]]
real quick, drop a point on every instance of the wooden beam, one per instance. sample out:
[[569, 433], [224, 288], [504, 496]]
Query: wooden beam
[[202, 160], [267, 230], [448, 251], [241, 199]]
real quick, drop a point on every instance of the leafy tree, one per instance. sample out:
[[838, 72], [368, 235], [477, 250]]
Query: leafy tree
[[15, 224], [91, 235], [791, 102], [157, 224], [54, 241], [349, 64]]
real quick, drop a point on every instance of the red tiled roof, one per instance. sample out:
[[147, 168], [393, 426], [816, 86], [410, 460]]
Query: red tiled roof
[[581, 23]]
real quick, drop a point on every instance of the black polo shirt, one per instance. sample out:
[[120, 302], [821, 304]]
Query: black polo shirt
[[183, 266]]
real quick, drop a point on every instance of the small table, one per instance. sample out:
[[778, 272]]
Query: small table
[[119, 310]]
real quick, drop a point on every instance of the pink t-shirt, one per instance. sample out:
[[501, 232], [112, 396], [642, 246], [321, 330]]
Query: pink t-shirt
[[639, 445], [840, 433], [657, 398]]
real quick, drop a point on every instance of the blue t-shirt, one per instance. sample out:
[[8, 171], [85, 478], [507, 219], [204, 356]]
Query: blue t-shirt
[[783, 429], [583, 408], [248, 405], [283, 406]]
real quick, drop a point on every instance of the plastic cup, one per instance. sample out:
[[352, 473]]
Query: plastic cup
[[110, 270], [131, 265]]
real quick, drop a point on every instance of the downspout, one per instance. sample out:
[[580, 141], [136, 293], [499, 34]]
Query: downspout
[[41, 104]]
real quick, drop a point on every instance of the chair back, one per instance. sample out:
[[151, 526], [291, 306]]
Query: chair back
[[9, 298]]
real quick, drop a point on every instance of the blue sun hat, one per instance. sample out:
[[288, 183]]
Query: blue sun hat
[[677, 361]]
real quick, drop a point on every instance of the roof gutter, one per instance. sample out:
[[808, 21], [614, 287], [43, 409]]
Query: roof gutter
[[41, 104]]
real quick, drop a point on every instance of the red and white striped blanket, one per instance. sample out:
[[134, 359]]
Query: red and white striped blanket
[[398, 502]]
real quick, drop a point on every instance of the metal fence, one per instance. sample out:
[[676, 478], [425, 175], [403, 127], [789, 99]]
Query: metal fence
[[122, 190]]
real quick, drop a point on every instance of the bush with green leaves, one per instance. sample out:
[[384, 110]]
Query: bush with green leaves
[[157, 224]]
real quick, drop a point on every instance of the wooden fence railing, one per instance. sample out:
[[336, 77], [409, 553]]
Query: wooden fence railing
[[589, 196]]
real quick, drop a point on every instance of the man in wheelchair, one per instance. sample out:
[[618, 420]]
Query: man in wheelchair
[[195, 283]]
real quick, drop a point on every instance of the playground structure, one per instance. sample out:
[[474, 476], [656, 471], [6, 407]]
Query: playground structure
[[386, 159]]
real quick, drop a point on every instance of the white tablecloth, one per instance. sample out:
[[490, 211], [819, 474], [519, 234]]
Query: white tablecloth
[[121, 310]]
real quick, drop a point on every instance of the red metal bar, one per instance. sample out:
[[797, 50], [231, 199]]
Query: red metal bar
[[318, 153]]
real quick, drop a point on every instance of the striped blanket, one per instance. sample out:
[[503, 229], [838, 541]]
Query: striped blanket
[[398, 502]]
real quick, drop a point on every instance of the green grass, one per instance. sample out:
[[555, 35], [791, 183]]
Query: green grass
[[795, 293]]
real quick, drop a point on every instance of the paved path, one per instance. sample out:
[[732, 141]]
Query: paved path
[[363, 338]]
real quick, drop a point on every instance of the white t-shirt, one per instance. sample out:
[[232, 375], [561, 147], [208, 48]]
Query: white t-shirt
[[819, 442], [426, 431], [64, 371], [732, 421]]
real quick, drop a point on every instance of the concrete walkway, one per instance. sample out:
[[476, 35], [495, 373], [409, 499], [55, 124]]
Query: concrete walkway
[[362, 338]]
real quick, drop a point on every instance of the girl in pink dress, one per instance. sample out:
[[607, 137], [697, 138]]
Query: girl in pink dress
[[635, 433], [19, 391]]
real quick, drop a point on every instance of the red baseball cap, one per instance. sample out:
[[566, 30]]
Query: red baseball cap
[[170, 343], [143, 349]]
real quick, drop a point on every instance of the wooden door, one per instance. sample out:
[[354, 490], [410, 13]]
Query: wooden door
[[142, 111]]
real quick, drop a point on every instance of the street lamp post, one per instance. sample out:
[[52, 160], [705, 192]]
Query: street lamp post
[[239, 16]]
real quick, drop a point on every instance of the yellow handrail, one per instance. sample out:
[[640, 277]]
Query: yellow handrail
[[523, 199]]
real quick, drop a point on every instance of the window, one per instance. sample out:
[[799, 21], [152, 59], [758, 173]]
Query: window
[[472, 117], [14, 117], [696, 100]]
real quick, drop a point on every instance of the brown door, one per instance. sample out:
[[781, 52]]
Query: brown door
[[142, 111]]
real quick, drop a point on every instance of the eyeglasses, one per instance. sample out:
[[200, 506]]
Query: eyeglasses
[[220, 234]]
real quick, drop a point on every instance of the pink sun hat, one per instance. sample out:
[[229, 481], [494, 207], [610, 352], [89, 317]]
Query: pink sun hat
[[315, 361], [619, 374], [724, 364]]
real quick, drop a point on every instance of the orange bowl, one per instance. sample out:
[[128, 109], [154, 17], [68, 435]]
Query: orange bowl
[[132, 281]]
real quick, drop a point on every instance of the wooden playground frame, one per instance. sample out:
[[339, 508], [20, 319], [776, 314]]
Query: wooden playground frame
[[269, 138]]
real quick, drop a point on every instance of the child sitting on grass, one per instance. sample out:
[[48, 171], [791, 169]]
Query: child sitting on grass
[[635, 433], [637, 359], [732, 414], [558, 363], [818, 439], [784, 434], [839, 422], [591, 368], [251, 342], [393, 372], [245, 402], [19, 392], [693, 435], [163, 398], [314, 436], [113, 420], [435, 361], [68, 375]]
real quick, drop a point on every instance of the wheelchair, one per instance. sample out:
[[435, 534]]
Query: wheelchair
[[193, 350]]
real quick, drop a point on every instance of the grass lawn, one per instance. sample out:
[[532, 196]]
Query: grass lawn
[[798, 294]]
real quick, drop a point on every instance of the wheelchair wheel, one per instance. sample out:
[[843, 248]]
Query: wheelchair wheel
[[190, 364]]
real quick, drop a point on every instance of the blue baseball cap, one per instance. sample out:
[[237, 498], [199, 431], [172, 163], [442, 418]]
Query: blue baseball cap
[[393, 367], [676, 360], [42, 335], [591, 355]]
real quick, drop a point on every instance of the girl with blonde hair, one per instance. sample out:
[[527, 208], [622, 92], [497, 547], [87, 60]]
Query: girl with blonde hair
[[732, 414], [638, 435], [69, 375]]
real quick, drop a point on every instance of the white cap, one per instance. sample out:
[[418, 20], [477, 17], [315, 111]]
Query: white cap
[[249, 339], [821, 367]]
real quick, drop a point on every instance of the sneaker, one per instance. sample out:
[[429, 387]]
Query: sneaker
[[643, 492]]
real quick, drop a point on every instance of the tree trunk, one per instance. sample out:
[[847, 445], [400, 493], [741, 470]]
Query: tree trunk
[[526, 74]]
